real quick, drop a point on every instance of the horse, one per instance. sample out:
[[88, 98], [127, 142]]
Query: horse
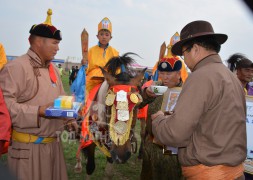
[[112, 113]]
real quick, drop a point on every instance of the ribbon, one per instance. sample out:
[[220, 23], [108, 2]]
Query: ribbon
[[52, 73]]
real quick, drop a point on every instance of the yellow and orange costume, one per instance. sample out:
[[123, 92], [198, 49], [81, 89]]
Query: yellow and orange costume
[[3, 59], [98, 56]]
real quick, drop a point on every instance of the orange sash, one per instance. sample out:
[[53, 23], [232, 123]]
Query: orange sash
[[85, 123], [52, 73], [219, 172]]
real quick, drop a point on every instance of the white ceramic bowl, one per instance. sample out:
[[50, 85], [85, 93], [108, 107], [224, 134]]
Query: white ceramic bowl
[[159, 90]]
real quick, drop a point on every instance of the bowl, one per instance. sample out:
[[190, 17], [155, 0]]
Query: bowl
[[159, 90]]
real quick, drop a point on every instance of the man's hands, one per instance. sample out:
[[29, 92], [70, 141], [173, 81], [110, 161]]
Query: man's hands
[[154, 116], [150, 93], [42, 109]]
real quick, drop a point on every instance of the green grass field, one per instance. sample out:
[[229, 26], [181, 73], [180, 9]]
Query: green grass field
[[130, 170]]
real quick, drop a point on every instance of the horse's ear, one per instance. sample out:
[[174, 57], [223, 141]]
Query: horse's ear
[[137, 79], [108, 77]]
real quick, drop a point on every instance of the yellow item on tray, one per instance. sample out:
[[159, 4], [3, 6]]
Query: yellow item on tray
[[67, 102]]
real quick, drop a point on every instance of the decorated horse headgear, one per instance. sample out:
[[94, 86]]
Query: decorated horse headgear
[[46, 29], [121, 99], [105, 24]]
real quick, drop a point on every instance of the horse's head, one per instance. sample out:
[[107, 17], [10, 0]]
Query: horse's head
[[121, 101]]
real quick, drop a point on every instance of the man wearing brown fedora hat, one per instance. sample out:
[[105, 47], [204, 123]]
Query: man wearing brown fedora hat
[[30, 84], [208, 122]]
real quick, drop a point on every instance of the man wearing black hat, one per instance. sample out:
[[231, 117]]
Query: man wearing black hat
[[30, 84], [208, 123]]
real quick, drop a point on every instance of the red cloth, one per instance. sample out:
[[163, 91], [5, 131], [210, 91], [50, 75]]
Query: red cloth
[[147, 84], [85, 130], [52, 73], [5, 122], [143, 112]]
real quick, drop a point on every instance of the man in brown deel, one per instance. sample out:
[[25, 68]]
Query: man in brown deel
[[208, 124], [30, 84]]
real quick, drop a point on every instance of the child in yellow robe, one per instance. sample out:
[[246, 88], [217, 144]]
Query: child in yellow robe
[[100, 54]]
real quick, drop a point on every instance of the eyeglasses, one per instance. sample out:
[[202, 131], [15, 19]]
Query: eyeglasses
[[188, 48]]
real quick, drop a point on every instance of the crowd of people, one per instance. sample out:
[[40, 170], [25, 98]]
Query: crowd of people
[[207, 125]]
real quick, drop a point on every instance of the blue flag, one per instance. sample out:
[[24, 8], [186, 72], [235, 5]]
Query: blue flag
[[78, 86]]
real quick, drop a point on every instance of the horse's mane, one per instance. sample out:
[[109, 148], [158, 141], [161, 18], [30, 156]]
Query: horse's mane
[[123, 63]]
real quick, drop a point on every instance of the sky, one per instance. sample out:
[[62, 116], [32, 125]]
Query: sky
[[138, 26]]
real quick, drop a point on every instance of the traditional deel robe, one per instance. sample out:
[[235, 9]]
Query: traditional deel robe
[[155, 164], [29, 161], [97, 56], [209, 120]]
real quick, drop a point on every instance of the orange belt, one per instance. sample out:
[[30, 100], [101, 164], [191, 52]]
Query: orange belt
[[219, 172]]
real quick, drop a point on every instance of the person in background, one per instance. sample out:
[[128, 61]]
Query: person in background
[[60, 69], [244, 70], [35, 152], [70, 71], [99, 55], [208, 123], [76, 69], [71, 75]]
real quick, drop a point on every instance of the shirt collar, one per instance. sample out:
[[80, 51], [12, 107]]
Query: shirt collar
[[99, 44], [212, 58], [37, 62]]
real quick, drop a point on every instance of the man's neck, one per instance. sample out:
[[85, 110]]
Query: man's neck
[[244, 84], [43, 62], [204, 54]]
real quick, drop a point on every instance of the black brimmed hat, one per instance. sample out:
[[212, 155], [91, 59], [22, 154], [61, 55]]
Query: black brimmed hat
[[46, 29]]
